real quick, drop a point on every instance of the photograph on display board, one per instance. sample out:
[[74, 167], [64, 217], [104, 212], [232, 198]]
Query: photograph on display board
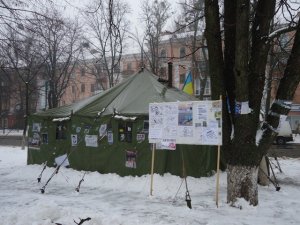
[[185, 114]]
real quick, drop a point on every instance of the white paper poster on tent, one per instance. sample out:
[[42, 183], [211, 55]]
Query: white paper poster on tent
[[74, 139], [102, 130], [140, 138], [131, 159], [110, 137], [91, 140], [36, 127], [62, 160], [78, 129]]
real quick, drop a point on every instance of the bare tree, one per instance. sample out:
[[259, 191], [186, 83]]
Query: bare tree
[[23, 61], [239, 76], [155, 15], [15, 45], [107, 26], [60, 44], [192, 22]]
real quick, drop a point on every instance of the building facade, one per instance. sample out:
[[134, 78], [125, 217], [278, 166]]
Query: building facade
[[177, 49]]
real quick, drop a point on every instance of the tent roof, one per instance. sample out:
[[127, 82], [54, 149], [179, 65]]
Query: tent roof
[[131, 97]]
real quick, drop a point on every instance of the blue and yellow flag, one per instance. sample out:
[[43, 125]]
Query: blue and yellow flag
[[188, 84]]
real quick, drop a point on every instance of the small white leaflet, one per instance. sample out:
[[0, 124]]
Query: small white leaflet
[[102, 130], [169, 144], [91, 140], [74, 139]]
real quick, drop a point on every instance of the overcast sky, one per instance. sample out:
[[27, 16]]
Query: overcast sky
[[135, 6], [71, 7]]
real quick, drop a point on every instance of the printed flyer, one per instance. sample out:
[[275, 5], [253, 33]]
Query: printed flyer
[[91, 140]]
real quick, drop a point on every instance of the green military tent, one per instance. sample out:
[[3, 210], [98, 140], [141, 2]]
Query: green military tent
[[108, 133]]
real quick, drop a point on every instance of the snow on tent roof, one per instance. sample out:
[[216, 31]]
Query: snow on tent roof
[[131, 97]]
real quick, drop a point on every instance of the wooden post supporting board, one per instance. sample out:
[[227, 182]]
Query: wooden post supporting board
[[218, 177], [152, 168]]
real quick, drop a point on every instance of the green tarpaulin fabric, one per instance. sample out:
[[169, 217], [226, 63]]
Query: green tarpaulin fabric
[[112, 154], [131, 97]]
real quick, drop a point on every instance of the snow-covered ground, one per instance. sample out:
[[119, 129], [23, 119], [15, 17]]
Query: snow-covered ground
[[11, 132], [112, 200]]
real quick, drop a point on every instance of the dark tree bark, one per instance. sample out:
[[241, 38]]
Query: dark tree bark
[[242, 77], [214, 44]]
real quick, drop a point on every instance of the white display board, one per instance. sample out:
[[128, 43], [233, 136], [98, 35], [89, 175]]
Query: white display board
[[193, 122]]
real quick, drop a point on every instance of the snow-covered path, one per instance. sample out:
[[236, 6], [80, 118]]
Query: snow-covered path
[[109, 199]]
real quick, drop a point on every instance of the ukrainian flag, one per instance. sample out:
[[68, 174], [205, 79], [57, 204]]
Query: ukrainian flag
[[188, 84]]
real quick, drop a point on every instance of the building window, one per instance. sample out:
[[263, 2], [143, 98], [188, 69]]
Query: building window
[[117, 68], [4, 84], [5, 123], [93, 71], [125, 131], [197, 86], [129, 67], [182, 78], [163, 53], [61, 130], [182, 52], [163, 72], [82, 88], [203, 66], [82, 71], [204, 53], [207, 90]]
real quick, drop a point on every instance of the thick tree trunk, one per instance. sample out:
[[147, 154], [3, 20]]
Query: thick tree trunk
[[214, 45], [245, 56], [263, 172], [242, 183]]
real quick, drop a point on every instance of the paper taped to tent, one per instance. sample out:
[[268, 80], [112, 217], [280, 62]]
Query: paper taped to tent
[[108, 133]]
